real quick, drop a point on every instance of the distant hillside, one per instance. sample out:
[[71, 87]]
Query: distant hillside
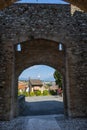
[[50, 79]]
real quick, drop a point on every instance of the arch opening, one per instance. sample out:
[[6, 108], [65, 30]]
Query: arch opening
[[42, 52], [42, 90]]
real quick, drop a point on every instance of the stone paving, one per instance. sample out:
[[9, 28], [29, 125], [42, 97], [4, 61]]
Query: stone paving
[[47, 122], [44, 122]]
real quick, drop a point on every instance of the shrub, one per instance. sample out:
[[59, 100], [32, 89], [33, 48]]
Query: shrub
[[26, 94], [19, 93], [45, 92], [60, 91], [31, 94], [52, 92], [38, 93]]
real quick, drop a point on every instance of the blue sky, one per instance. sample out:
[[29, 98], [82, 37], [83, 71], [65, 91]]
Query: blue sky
[[38, 72], [42, 1]]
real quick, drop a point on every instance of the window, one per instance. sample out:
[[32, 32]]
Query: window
[[19, 47], [60, 47]]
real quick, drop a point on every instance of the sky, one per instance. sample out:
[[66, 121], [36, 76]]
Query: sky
[[43, 1], [41, 72]]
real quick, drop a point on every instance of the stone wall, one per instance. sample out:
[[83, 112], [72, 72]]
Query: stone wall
[[6, 3], [51, 24], [21, 104]]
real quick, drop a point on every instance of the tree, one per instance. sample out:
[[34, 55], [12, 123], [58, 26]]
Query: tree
[[58, 78]]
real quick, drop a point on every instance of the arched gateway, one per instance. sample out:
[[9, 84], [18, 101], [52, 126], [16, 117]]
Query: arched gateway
[[40, 29], [42, 51]]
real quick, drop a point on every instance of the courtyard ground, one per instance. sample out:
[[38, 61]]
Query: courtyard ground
[[43, 105]]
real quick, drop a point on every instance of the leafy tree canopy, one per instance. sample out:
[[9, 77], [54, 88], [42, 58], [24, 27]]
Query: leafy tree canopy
[[58, 78]]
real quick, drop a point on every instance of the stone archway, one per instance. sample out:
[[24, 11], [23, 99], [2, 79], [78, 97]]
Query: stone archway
[[39, 51], [42, 51]]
